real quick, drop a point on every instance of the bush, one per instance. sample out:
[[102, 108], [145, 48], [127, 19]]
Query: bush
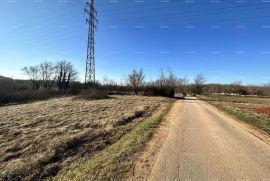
[[159, 91], [117, 90], [76, 88], [25, 96], [92, 94]]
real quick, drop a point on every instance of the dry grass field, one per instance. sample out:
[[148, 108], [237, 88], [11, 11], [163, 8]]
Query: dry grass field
[[38, 140]]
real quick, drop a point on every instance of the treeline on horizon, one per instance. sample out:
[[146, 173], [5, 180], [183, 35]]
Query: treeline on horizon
[[49, 79]]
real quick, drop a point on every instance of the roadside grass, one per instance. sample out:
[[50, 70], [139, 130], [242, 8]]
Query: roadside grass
[[237, 99], [115, 162], [246, 116], [245, 109]]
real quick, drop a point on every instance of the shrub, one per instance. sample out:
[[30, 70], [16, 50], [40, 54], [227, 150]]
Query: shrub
[[76, 88], [117, 90], [159, 91], [92, 94], [25, 96]]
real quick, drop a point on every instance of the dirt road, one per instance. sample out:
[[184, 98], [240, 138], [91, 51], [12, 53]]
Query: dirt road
[[204, 144]]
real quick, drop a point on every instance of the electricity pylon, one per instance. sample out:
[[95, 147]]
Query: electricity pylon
[[90, 60]]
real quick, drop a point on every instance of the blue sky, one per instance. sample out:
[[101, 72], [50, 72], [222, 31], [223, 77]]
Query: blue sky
[[225, 40]]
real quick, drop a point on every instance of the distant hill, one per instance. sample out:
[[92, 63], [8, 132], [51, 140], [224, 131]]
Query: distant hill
[[4, 78]]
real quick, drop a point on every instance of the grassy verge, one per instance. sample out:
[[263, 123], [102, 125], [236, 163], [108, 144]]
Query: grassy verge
[[247, 117], [237, 99], [115, 161], [242, 108]]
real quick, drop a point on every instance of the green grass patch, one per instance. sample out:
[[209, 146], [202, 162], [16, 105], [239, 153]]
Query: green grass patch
[[115, 161]]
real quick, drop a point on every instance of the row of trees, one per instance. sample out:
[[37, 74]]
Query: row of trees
[[49, 75], [136, 79], [53, 79], [237, 88], [62, 74], [182, 85]]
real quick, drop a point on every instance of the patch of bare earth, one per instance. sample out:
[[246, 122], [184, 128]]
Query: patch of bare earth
[[265, 110], [39, 139], [145, 161]]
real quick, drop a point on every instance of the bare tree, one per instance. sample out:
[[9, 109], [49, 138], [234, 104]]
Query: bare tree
[[182, 84], [46, 71], [33, 73], [199, 83], [171, 81], [136, 79], [162, 79], [235, 87], [65, 74], [108, 82], [105, 80]]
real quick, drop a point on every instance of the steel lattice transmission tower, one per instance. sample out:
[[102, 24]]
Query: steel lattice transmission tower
[[90, 60]]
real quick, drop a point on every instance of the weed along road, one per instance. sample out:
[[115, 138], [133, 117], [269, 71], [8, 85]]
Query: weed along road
[[205, 144]]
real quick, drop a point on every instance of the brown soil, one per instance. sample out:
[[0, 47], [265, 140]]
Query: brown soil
[[263, 109]]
